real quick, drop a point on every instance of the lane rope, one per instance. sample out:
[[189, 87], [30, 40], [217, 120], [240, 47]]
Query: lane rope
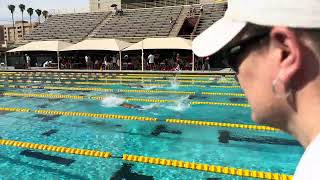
[[140, 118], [149, 160], [207, 167]]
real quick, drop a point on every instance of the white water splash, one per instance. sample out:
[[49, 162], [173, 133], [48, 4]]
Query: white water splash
[[181, 105], [174, 83], [112, 101], [150, 87], [150, 106]]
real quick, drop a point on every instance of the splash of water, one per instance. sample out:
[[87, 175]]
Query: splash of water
[[180, 105], [174, 83], [112, 101], [150, 87], [151, 106]]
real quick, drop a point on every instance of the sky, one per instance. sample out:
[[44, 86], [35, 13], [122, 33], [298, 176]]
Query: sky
[[62, 5]]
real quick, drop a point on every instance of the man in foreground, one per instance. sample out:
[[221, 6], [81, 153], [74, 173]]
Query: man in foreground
[[273, 46]]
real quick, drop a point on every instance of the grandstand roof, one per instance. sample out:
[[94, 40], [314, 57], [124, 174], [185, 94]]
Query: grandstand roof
[[161, 43], [42, 46], [99, 44]]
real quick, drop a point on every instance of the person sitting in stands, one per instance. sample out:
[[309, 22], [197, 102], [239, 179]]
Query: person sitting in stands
[[47, 64], [201, 8], [121, 12], [96, 64]]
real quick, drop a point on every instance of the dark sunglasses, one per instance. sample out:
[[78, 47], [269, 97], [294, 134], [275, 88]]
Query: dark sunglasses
[[232, 53]]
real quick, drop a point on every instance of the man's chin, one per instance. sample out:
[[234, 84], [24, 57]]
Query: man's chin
[[257, 119]]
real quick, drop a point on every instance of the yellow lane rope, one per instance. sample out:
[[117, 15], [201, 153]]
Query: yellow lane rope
[[150, 160], [105, 116], [125, 80], [220, 124], [104, 76], [225, 86], [207, 167], [98, 83], [139, 118], [219, 104], [60, 149], [223, 94], [61, 96]]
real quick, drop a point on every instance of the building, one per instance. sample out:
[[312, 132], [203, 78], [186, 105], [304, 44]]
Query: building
[[2, 35], [12, 34], [103, 5]]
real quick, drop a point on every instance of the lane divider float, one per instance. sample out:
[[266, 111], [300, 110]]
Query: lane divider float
[[220, 124], [95, 115], [139, 118], [220, 104], [206, 167], [223, 94], [60, 149]]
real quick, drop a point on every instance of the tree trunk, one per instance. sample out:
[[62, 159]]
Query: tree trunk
[[39, 19], [22, 28], [14, 30], [30, 21]]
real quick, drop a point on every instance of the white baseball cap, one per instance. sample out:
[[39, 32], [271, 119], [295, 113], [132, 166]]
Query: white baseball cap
[[288, 13]]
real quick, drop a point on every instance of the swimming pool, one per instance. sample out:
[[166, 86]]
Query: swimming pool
[[202, 119]]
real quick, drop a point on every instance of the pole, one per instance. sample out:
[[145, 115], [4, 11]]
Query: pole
[[58, 59], [192, 61], [142, 60], [5, 59], [120, 61]]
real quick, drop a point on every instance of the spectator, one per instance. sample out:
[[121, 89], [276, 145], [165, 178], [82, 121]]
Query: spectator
[[96, 64], [87, 59], [151, 61], [121, 12], [201, 8], [114, 62], [206, 64], [28, 61]]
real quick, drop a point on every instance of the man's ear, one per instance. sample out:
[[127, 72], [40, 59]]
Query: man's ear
[[289, 52]]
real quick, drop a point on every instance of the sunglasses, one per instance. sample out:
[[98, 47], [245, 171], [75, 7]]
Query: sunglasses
[[231, 54]]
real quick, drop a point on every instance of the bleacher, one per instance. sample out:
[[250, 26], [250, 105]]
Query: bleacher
[[146, 22], [132, 26], [70, 27], [211, 13], [156, 3]]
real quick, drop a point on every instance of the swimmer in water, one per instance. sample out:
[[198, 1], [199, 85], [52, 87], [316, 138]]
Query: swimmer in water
[[136, 86], [131, 106]]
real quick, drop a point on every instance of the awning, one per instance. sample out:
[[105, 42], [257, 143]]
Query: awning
[[162, 43], [99, 44], [55, 46]]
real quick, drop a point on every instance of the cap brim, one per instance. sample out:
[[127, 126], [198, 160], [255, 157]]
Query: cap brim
[[216, 37]]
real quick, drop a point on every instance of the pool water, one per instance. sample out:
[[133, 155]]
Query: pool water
[[267, 151]]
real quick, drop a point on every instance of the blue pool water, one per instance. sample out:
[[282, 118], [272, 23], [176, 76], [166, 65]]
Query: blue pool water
[[256, 150]]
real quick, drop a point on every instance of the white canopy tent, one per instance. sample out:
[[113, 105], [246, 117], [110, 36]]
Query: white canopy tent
[[100, 44], [162, 43], [54, 46]]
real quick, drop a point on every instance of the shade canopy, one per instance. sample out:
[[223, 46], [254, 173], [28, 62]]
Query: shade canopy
[[162, 43], [42, 46], [99, 44]]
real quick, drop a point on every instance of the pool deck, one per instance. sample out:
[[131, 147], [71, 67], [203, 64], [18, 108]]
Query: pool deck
[[226, 71]]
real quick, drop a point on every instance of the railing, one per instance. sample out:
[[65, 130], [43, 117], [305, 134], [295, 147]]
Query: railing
[[159, 3]]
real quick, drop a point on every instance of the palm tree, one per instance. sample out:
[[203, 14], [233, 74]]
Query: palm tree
[[38, 11], [45, 14], [22, 8], [30, 12], [11, 9]]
